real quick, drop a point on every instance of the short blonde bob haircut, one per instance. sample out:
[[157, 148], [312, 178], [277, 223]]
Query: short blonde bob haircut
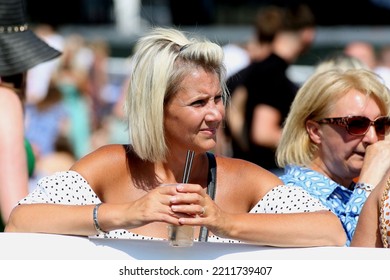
[[315, 100], [161, 60]]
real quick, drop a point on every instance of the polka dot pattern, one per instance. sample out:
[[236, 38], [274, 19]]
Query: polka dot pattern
[[288, 199], [72, 189], [68, 188]]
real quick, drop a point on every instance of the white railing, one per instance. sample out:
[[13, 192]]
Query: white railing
[[22, 246]]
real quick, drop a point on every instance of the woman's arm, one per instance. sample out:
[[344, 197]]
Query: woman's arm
[[240, 188], [367, 232], [60, 203], [13, 162], [376, 163], [266, 130], [63, 203], [79, 219], [320, 228], [52, 218], [235, 113]]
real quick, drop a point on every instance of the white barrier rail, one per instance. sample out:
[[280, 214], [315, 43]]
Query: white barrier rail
[[34, 246]]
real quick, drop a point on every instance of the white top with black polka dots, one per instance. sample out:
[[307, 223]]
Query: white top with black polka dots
[[69, 187]]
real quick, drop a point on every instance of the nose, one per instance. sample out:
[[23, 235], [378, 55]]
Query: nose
[[215, 112], [371, 135]]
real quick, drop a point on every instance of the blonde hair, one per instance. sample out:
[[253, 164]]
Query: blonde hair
[[315, 100], [161, 60]]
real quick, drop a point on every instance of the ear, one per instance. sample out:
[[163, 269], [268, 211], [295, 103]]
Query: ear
[[314, 130]]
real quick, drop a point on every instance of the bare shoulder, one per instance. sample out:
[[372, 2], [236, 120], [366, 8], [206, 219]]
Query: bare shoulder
[[246, 174], [105, 162], [7, 94], [227, 164], [9, 99], [107, 153]]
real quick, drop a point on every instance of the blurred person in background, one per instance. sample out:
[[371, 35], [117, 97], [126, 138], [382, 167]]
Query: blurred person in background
[[20, 50], [364, 51], [339, 60], [267, 24], [383, 66], [45, 122], [265, 93], [60, 159], [39, 77], [377, 61], [99, 88], [73, 80]]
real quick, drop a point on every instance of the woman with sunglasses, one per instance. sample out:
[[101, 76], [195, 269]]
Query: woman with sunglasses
[[331, 144]]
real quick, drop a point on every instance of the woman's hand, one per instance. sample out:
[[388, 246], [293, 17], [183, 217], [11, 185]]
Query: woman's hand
[[189, 201], [376, 163], [198, 209], [155, 206]]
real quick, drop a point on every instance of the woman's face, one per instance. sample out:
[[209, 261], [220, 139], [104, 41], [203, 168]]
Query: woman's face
[[194, 113], [341, 154]]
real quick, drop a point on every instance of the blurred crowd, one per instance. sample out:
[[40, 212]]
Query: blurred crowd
[[73, 103]]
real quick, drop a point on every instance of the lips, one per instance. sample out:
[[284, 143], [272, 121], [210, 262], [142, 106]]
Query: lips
[[362, 154], [209, 130]]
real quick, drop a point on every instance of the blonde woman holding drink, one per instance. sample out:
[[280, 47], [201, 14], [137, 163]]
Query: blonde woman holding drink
[[175, 102]]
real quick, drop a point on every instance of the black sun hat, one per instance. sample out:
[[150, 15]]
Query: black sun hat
[[20, 48]]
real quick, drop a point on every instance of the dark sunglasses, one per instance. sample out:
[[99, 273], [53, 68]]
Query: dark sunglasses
[[358, 125]]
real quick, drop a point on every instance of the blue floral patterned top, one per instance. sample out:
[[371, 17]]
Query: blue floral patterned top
[[345, 203]]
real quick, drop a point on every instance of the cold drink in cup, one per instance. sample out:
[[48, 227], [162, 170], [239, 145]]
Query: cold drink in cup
[[180, 236]]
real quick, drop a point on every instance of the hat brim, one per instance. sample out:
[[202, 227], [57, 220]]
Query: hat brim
[[21, 51]]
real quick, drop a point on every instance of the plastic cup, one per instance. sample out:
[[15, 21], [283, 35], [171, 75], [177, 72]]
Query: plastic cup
[[180, 236]]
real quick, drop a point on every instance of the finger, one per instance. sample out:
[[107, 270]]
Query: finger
[[168, 189], [190, 188], [187, 198], [202, 211], [189, 210], [193, 221]]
